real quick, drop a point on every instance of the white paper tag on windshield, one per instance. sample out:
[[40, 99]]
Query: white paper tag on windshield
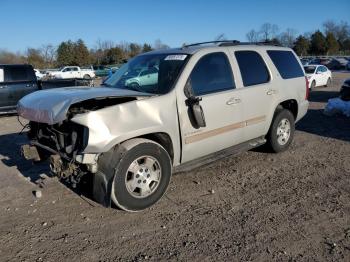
[[175, 57]]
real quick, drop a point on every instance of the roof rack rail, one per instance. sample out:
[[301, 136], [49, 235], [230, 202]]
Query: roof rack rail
[[232, 43]]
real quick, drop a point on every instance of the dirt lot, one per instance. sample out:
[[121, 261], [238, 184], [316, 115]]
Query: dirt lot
[[293, 206]]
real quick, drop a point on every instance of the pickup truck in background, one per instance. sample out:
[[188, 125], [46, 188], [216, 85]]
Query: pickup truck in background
[[16, 81], [72, 72]]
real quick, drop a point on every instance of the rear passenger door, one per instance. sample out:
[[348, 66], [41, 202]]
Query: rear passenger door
[[256, 92]]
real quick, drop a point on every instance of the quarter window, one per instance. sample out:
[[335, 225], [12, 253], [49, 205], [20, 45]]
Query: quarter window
[[253, 68], [211, 74], [286, 64], [16, 73]]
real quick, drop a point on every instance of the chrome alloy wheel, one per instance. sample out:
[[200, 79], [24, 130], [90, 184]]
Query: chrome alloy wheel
[[283, 131], [143, 177]]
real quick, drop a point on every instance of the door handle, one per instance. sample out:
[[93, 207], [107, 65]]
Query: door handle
[[271, 92], [233, 101]]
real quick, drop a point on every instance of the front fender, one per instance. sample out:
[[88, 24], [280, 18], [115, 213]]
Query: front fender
[[112, 125]]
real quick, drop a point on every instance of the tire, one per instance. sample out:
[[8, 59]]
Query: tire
[[328, 82], [130, 192], [313, 85], [135, 85], [280, 136], [87, 77]]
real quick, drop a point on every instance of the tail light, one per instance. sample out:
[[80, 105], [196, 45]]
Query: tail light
[[307, 88]]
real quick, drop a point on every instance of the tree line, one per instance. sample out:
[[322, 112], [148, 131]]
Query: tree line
[[77, 53], [334, 39]]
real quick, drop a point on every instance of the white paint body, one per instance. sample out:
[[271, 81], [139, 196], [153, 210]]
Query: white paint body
[[320, 75], [72, 72]]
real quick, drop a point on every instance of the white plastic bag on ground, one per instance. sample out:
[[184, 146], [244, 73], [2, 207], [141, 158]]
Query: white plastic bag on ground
[[337, 106]]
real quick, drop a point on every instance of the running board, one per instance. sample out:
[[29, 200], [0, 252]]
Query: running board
[[234, 150]]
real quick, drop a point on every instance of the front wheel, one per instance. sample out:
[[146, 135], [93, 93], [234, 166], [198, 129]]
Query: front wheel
[[281, 131], [87, 77], [141, 176], [328, 82]]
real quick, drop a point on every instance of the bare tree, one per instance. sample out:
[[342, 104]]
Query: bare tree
[[159, 45], [287, 38], [252, 36], [48, 52], [330, 27], [268, 31]]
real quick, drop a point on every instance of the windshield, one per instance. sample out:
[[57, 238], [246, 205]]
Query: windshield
[[154, 74], [309, 69]]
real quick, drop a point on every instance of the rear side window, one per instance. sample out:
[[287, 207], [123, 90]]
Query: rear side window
[[17, 74], [211, 74], [253, 68], [286, 64]]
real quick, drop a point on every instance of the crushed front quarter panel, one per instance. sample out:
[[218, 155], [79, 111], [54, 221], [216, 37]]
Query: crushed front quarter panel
[[112, 125]]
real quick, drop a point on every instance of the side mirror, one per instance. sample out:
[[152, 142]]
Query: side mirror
[[195, 112], [198, 115]]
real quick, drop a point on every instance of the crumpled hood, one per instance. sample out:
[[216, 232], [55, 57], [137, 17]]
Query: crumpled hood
[[51, 106]]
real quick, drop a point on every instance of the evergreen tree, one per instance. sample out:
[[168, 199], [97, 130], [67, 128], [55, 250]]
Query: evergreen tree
[[332, 44], [301, 45], [318, 44]]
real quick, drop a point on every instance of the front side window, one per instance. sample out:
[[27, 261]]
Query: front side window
[[153, 73], [286, 63], [253, 68], [211, 74]]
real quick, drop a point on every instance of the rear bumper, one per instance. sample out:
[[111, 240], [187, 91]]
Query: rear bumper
[[303, 107]]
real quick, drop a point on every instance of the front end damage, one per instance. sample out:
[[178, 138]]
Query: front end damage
[[62, 144]]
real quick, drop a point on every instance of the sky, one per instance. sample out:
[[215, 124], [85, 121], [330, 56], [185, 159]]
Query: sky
[[32, 23]]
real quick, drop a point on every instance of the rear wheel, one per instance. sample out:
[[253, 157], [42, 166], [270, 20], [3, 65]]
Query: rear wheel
[[281, 131], [88, 77], [141, 176]]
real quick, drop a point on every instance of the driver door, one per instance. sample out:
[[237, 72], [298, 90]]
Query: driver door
[[211, 81]]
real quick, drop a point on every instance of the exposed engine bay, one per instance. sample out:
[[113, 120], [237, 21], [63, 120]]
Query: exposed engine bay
[[61, 143]]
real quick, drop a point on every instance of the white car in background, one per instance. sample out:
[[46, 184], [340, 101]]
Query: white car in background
[[72, 72], [318, 75], [38, 74]]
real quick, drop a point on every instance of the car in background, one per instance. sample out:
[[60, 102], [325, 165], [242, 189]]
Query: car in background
[[16, 81], [101, 70], [305, 61], [318, 75], [146, 77], [338, 64], [320, 61], [38, 74], [72, 72], [345, 90]]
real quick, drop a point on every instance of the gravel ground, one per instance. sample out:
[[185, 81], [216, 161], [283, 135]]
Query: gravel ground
[[293, 206]]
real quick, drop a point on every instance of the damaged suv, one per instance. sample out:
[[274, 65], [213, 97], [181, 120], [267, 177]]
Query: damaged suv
[[192, 105]]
